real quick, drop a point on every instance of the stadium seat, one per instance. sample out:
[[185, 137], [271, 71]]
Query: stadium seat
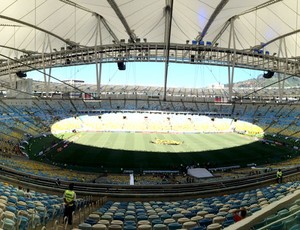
[[183, 220], [189, 224], [129, 227], [23, 222], [160, 227], [177, 216], [99, 227], [94, 216], [8, 224], [116, 222], [105, 222], [168, 221], [145, 222], [219, 219], [85, 226], [144, 227], [174, 226], [114, 227]]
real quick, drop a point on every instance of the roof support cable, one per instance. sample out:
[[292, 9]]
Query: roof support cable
[[107, 27], [223, 29]]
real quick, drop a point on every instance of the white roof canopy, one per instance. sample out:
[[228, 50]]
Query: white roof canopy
[[37, 25]]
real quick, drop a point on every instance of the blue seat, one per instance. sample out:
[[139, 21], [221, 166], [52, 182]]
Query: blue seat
[[129, 227], [118, 217], [201, 43], [90, 221], [173, 226], [142, 217], [227, 223], [21, 198], [11, 209], [190, 215], [156, 221], [252, 210], [205, 222], [129, 222], [23, 222], [165, 216], [198, 228]]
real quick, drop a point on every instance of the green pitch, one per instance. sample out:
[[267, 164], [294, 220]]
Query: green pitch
[[143, 141], [113, 151]]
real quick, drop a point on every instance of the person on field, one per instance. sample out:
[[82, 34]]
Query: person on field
[[69, 200]]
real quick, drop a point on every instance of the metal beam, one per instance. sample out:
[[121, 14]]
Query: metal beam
[[210, 55], [67, 41], [168, 25], [275, 39], [261, 6], [119, 13], [116, 39], [29, 52], [218, 9]]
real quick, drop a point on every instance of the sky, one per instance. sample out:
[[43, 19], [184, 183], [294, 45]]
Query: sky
[[150, 74]]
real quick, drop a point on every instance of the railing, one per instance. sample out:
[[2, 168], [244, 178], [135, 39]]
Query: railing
[[147, 191]]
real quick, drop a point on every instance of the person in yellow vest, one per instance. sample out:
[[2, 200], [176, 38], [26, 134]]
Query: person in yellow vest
[[279, 176], [69, 200]]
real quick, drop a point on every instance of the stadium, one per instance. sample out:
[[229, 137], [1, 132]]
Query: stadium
[[164, 114]]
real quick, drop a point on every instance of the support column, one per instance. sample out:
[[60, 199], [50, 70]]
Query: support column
[[98, 56], [231, 57], [46, 45], [282, 51], [168, 24]]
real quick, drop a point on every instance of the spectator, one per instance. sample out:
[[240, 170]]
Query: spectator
[[279, 176], [69, 200], [57, 182], [20, 191], [28, 194], [240, 214]]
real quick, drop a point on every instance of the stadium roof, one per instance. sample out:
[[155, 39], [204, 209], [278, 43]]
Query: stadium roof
[[29, 26]]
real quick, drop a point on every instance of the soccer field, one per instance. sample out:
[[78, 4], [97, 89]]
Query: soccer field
[[113, 151], [144, 141]]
